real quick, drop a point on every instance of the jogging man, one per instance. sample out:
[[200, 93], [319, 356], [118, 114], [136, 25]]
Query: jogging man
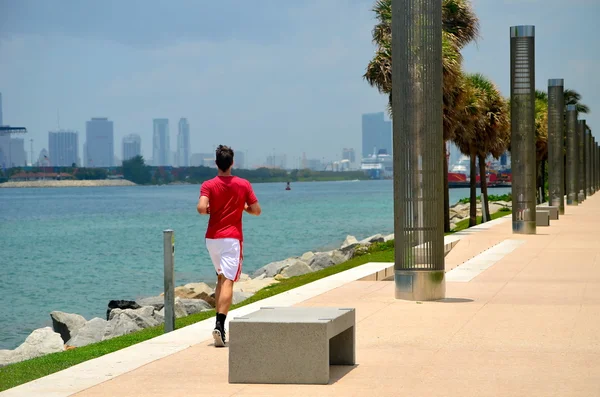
[[225, 198]]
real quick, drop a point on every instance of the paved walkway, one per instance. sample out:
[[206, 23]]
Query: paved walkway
[[528, 325]]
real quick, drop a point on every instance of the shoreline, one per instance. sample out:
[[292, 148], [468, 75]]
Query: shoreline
[[66, 183]]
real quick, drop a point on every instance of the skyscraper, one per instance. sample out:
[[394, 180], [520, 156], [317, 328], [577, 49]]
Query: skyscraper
[[239, 159], [183, 143], [18, 157], [132, 146], [160, 142], [99, 143], [376, 134], [63, 148]]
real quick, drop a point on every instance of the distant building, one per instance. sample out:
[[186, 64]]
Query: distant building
[[376, 134], [18, 156], [132, 146], [277, 161], [63, 148], [314, 164], [239, 159], [348, 154], [99, 143], [43, 158], [161, 148], [203, 160], [183, 143]]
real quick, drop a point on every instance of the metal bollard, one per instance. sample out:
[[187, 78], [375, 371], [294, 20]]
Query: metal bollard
[[169, 249]]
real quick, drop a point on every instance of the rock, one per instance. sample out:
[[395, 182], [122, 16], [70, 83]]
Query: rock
[[208, 299], [338, 256], [158, 302], [389, 237], [378, 238], [279, 277], [239, 296], [253, 285], [274, 268], [321, 260], [180, 308], [361, 250], [91, 332], [297, 269], [130, 320], [307, 257], [66, 324], [349, 242], [40, 342], [244, 277], [196, 289], [120, 304], [193, 306]]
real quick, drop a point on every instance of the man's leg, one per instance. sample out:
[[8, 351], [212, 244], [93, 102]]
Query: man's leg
[[225, 294]]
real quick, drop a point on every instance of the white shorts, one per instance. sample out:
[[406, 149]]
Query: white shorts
[[226, 255]]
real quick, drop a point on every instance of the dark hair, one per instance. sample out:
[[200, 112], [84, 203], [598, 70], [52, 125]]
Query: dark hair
[[224, 157]]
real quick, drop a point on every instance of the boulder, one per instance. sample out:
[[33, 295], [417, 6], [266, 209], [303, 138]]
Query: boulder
[[91, 332], [66, 324], [239, 296], [307, 257], [338, 256], [321, 260], [274, 268], [244, 277], [388, 238], [210, 299], [40, 342], [195, 305], [120, 304], [279, 277], [130, 320], [297, 269], [378, 238], [155, 301], [349, 242], [196, 289]]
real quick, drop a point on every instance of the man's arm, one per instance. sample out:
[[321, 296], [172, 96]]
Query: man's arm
[[203, 206], [253, 209]]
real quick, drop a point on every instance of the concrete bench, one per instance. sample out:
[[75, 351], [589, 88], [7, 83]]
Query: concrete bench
[[290, 344], [553, 210], [542, 218]]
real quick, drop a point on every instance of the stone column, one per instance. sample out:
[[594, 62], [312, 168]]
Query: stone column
[[556, 144], [572, 157], [418, 149], [581, 142], [522, 95]]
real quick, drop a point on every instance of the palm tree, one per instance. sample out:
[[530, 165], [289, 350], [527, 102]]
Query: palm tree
[[492, 131], [541, 142], [572, 97], [460, 27]]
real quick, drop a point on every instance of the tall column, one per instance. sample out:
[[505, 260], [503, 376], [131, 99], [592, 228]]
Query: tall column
[[556, 143], [522, 102], [581, 142], [592, 164], [572, 157], [418, 149], [588, 162]]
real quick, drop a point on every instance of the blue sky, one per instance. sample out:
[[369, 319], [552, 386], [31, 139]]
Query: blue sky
[[261, 75]]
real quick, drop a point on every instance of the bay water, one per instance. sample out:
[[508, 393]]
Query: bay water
[[74, 249]]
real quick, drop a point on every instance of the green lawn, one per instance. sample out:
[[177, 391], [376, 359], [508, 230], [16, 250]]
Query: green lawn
[[26, 371]]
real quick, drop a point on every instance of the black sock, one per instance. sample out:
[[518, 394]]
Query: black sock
[[221, 319]]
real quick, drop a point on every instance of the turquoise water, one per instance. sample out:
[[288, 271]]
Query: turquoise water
[[74, 249]]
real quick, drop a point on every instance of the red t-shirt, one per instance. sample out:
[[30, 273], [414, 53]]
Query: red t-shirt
[[227, 196]]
